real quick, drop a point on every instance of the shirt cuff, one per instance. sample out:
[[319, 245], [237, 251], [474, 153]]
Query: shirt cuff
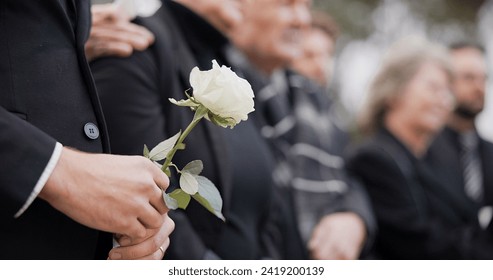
[[55, 156]]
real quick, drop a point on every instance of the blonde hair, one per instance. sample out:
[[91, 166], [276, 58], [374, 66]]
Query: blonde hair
[[401, 63]]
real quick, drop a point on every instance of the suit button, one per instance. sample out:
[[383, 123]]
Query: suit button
[[91, 131]]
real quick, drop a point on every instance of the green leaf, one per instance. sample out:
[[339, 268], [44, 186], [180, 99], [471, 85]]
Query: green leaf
[[181, 197], [200, 112], [200, 199], [209, 197], [170, 202], [162, 149], [146, 151], [194, 167], [183, 102], [188, 183]]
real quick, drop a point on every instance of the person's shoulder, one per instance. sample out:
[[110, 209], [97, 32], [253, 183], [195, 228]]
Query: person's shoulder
[[443, 141], [368, 149], [486, 144], [381, 152], [376, 142]]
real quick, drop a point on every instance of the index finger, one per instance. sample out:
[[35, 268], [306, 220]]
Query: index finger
[[162, 182]]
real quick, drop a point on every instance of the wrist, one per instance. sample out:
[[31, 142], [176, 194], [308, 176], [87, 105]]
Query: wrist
[[56, 185]]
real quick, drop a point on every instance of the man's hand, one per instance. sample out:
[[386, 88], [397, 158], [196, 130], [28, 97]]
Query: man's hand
[[112, 33], [151, 247], [338, 236], [119, 194]]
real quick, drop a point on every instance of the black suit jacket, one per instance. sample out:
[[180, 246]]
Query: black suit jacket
[[134, 93], [419, 216], [47, 95], [444, 157]]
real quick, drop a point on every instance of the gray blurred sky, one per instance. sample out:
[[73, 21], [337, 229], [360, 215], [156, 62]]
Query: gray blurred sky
[[368, 27]]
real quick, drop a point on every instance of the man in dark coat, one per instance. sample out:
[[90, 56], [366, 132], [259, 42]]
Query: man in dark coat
[[56, 199], [135, 94], [333, 212], [460, 157]]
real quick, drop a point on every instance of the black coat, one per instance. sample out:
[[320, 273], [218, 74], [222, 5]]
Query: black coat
[[419, 216], [47, 95], [134, 94], [444, 157]]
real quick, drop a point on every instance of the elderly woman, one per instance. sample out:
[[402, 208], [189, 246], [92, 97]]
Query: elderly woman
[[408, 105]]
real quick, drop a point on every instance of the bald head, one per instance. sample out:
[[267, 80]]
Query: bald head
[[271, 31]]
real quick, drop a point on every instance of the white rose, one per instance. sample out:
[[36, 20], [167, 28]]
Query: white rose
[[222, 92]]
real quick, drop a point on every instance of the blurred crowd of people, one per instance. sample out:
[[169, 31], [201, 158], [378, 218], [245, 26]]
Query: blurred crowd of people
[[297, 182], [401, 193]]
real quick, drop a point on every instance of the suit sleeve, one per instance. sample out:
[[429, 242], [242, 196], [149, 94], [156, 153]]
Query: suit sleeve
[[129, 90], [25, 152]]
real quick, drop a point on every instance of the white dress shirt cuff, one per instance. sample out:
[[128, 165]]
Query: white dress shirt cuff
[[55, 156]]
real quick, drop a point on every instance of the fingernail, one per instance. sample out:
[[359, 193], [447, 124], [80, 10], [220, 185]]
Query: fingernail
[[116, 256]]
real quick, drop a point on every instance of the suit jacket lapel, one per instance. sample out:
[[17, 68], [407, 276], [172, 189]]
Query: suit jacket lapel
[[486, 151], [83, 19], [446, 159], [69, 11]]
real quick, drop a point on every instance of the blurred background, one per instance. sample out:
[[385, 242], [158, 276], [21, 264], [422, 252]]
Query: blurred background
[[368, 27]]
